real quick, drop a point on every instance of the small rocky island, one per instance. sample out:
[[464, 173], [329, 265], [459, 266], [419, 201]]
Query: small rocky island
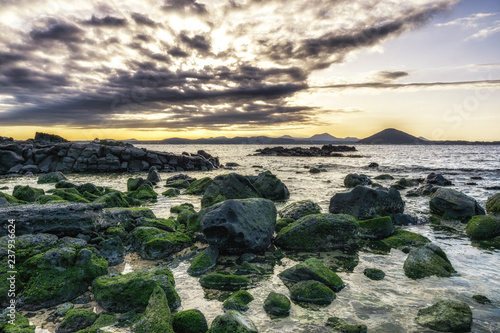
[[326, 150]]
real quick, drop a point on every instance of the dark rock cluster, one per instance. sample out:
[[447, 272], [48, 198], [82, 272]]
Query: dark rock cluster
[[326, 150]]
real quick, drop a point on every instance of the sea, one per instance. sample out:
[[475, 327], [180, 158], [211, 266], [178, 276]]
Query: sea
[[389, 305]]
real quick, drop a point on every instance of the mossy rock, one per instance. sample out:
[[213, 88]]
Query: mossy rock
[[144, 192], [224, 282], [69, 194], [446, 316], [311, 291], [231, 186], [154, 243], [427, 261], [104, 320], [189, 321], [247, 268], [75, 320], [283, 222], [199, 186], [112, 250], [481, 299], [133, 184], [131, 291], [313, 269], [27, 193], [238, 301], [90, 188], [171, 192], [184, 216], [482, 227], [300, 209], [51, 177], [180, 183], [384, 177], [157, 318], [377, 228], [45, 199], [493, 204], [403, 238], [12, 200], [164, 224], [353, 180], [374, 274], [270, 186], [64, 184], [21, 324], [204, 261], [112, 200], [277, 305], [336, 324], [117, 232], [232, 322], [178, 209]]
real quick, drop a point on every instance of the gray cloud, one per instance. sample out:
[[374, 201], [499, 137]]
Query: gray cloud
[[384, 85], [63, 32], [106, 21], [392, 75], [142, 19]]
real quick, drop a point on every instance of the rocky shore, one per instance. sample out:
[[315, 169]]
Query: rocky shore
[[325, 151]]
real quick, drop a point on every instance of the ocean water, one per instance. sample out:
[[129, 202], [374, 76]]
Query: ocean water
[[390, 305]]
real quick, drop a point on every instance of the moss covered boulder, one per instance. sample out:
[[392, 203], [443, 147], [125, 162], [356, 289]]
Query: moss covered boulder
[[224, 282], [238, 301], [339, 325], [204, 261], [164, 224], [199, 186], [76, 320], [104, 320], [27, 193], [144, 192], [270, 186], [21, 324], [426, 261], [313, 269], [51, 177], [131, 291], [134, 183], [377, 228], [403, 238], [69, 194], [353, 180], [300, 209], [112, 200], [178, 209], [189, 321], [154, 243], [319, 232], [311, 291], [483, 227], [374, 274], [157, 317], [277, 305], [281, 223], [240, 226], [232, 322], [493, 204], [454, 205], [231, 186], [12, 200], [446, 316], [171, 192]]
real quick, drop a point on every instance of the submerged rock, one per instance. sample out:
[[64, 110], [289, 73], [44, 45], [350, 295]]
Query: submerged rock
[[156, 318], [437, 179], [277, 305], [313, 269], [232, 321], [224, 282], [481, 299], [231, 186], [238, 301], [427, 261], [453, 205], [319, 232], [171, 192], [483, 227], [336, 324], [300, 209], [377, 228], [204, 261], [374, 274], [446, 316], [353, 180], [239, 226], [365, 203], [189, 321], [312, 292]]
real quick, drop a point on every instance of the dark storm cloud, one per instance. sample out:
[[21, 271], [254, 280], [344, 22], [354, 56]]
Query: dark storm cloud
[[106, 21], [17, 77], [63, 32], [197, 42], [7, 58], [142, 19], [177, 52], [185, 6]]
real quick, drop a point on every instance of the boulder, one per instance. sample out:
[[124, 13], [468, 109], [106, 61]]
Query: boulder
[[339, 325], [154, 175], [131, 291], [446, 316], [319, 232], [493, 204], [69, 194], [153, 243], [134, 183], [277, 305], [76, 320], [384, 177], [281, 223], [312, 292], [313, 269], [365, 203], [437, 179], [189, 321], [21, 324], [224, 282], [112, 250], [374, 274], [453, 205], [4, 202], [144, 192], [483, 227], [231, 186], [238, 301], [199, 186], [270, 186], [51, 177], [353, 180], [157, 317], [8, 159], [112, 200], [239, 226], [232, 321], [300, 209], [426, 261], [27, 193], [204, 261], [402, 239], [377, 228], [171, 192]]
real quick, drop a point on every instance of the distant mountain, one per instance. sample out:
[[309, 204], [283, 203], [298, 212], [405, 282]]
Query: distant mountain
[[422, 138], [283, 140], [323, 137], [391, 136]]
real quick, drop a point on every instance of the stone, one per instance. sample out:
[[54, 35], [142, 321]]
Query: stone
[[277, 305], [199, 186], [238, 301], [403, 238], [270, 186], [377, 228], [353, 180], [313, 269], [231, 186], [63, 309], [21, 324], [224, 282], [112, 250], [104, 320], [403, 219], [374, 274], [481, 299], [153, 243], [69, 194], [281, 223], [384, 177], [154, 175], [189, 321], [453, 205], [157, 317], [8, 159], [239, 226], [319, 232], [482, 227], [111, 200], [336, 324], [171, 192], [232, 321], [426, 261], [446, 316], [204, 261], [76, 320], [181, 183], [27, 193], [312, 292], [437, 179], [493, 204], [365, 203], [300, 209], [144, 192], [134, 183], [51, 177]]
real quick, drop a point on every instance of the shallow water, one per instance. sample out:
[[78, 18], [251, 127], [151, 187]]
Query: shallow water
[[389, 305]]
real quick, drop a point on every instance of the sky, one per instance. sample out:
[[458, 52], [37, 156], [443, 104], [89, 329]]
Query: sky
[[149, 69]]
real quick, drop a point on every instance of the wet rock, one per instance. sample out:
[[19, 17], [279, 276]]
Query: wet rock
[[373, 165], [446, 316], [481, 299], [238, 301], [76, 320], [365, 203], [134, 183], [199, 186], [325, 150], [493, 204], [189, 321], [104, 320], [239, 226], [314, 170], [483, 227], [21, 324], [171, 192], [427, 261], [157, 317], [131, 291], [51, 177], [4, 202], [403, 238], [336, 324], [27, 193], [224, 282], [312, 292], [181, 183], [319, 232], [69, 194], [403, 219], [313, 269], [247, 268], [112, 200], [153, 175], [377, 228], [153, 243], [144, 192], [281, 223], [126, 218], [300, 209], [353, 180], [374, 274], [437, 179], [204, 261], [270, 186], [232, 321], [113, 251], [404, 183], [384, 177], [277, 305], [453, 205], [231, 186], [63, 309]]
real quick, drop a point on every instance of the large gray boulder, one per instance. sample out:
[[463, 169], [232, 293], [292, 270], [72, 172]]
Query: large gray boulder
[[231, 186], [270, 186], [454, 205], [426, 261], [240, 226], [300, 209], [366, 203], [353, 180], [319, 232]]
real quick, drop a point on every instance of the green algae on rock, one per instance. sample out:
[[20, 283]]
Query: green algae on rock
[[51, 177], [300, 209], [230, 186], [171, 192], [311, 291], [336, 324], [189, 321], [75, 320], [493, 204], [426, 261], [377, 228], [374, 274], [157, 317], [154, 243], [270, 186], [224, 282], [144, 192], [481, 299], [482, 227], [204, 261], [112, 200], [27, 193], [313, 269], [199, 186], [277, 305], [238, 301], [21, 324], [232, 322], [403, 238], [446, 316], [281, 223]]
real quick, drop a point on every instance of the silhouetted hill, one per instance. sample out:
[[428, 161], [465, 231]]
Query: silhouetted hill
[[391, 136]]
